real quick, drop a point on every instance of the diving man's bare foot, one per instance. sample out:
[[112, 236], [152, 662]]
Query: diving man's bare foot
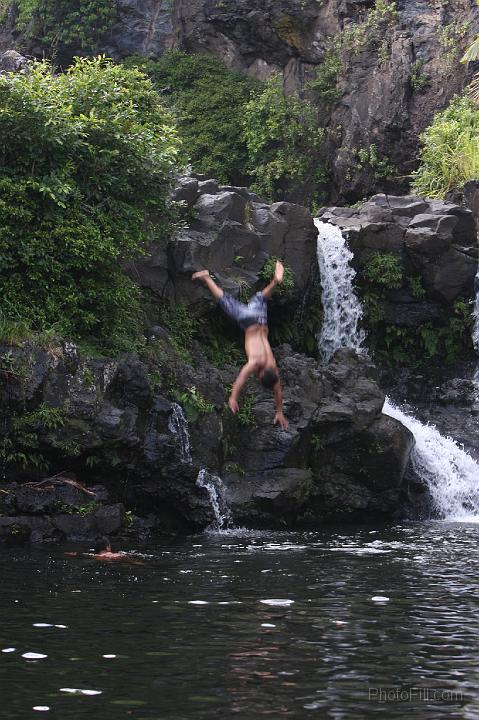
[[200, 275]]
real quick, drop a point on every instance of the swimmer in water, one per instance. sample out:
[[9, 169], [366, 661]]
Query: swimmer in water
[[253, 320], [103, 551]]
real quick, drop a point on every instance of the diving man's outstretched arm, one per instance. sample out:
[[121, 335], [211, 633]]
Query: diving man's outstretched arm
[[246, 371], [277, 279]]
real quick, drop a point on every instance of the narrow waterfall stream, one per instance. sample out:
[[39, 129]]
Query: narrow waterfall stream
[[178, 425], [449, 471], [215, 489], [342, 309]]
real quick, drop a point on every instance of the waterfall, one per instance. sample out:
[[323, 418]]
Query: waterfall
[[178, 425], [450, 473], [215, 489], [342, 309], [475, 330]]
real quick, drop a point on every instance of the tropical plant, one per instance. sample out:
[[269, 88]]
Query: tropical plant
[[450, 150], [85, 158], [472, 55], [283, 139]]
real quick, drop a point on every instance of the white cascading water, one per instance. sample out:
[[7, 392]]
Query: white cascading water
[[178, 425], [342, 309], [450, 473], [215, 489], [475, 329]]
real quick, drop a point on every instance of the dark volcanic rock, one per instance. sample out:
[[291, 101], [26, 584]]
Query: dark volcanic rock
[[435, 241], [232, 234], [271, 477], [306, 474]]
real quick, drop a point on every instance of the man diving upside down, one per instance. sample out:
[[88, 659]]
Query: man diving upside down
[[253, 320]]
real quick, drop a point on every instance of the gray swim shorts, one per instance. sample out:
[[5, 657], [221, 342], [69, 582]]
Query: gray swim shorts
[[254, 313]]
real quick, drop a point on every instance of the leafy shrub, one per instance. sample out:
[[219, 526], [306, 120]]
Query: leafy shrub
[[384, 270], [450, 150], [83, 156], [267, 273], [179, 322], [417, 346], [323, 85], [374, 30], [70, 24], [77, 24], [193, 403], [283, 140], [207, 98]]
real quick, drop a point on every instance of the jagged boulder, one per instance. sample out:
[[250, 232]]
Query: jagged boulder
[[232, 233], [304, 475], [435, 241], [12, 61]]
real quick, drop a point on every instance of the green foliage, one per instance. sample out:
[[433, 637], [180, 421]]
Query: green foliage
[[193, 403], [20, 441], [266, 274], [179, 323], [384, 270], [208, 100], [416, 287], [83, 157], [299, 328], [369, 157], [76, 24], [323, 87], [221, 352], [375, 30], [82, 510], [245, 415], [450, 150], [283, 140], [450, 37], [417, 346], [417, 79], [472, 55]]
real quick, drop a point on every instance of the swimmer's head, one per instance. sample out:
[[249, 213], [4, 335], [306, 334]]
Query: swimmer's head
[[269, 377], [103, 545]]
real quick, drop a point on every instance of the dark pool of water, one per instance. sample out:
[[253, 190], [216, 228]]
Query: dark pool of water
[[249, 625]]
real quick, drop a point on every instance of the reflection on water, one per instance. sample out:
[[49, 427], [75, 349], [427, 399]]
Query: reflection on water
[[248, 624]]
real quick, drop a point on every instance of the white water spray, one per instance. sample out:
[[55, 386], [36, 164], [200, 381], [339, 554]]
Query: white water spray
[[216, 493], [178, 425], [342, 309], [450, 473]]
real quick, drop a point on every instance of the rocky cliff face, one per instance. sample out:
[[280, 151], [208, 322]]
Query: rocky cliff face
[[395, 68], [117, 425], [392, 79]]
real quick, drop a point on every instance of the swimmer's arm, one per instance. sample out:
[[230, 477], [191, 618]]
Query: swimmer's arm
[[279, 418], [247, 370], [278, 278]]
